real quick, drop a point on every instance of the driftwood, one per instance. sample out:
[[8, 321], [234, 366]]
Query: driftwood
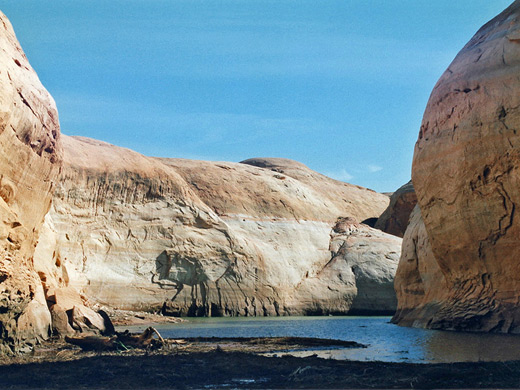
[[125, 340], [143, 340]]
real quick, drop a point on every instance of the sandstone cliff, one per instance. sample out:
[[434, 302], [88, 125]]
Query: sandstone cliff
[[465, 274], [30, 158], [217, 238], [395, 218], [265, 237]]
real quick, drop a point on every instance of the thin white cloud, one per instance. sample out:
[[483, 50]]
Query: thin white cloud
[[341, 175], [374, 168], [214, 126]]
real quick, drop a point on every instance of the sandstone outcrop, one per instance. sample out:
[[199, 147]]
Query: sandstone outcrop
[[216, 238], [34, 298], [465, 274], [30, 157], [395, 218], [356, 280], [419, 282]]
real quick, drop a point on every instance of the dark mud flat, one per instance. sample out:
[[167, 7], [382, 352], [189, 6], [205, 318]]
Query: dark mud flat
[[213, 365], [267, 344]]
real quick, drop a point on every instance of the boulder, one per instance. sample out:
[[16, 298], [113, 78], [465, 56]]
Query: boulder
[[34, 322], [84, 319], [60, 321], [467, 179], [79, 319]]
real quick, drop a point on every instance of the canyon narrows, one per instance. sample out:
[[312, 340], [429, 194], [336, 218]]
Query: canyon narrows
[[87, 224]]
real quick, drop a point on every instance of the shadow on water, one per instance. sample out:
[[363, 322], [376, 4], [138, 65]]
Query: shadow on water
[[463, 347]]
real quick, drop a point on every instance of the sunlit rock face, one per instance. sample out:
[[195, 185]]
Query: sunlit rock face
[[395, 218], [358, 279], [467, 179], [30, 159], [215, 238]]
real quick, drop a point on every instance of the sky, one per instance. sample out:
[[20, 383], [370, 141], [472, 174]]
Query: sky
[[338, 85]]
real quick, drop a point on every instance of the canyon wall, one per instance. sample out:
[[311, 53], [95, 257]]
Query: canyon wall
[[262, 237], [395, 218], [30, 159], [460, 267]]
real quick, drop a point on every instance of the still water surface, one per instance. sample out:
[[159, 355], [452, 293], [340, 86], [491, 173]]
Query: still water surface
[[386, 342]]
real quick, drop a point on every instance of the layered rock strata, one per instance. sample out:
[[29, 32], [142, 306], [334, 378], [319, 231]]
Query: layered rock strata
[[395, 218], [214, 238], [35, 300], [30, 158], [465, 274]]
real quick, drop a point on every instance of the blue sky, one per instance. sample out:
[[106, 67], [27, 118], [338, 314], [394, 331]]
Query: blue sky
[[338, 85]]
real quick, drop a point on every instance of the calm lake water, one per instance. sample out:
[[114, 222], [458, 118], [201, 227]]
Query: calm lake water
[[386, 342]]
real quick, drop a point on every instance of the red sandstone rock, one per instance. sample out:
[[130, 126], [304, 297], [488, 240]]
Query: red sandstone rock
[[60, 321], [467, 178], [395, 218]]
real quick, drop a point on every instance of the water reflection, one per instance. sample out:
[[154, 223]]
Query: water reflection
[[387, 342], [464, 347]]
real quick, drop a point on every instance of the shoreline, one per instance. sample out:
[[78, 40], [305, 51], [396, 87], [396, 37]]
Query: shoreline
[[121, 318], [197, 363]]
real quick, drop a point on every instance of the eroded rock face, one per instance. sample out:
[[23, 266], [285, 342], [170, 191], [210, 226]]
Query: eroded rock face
[[466, 175], [395, 218], [214, 238], [30, 158], [358, 279], [420, 285]]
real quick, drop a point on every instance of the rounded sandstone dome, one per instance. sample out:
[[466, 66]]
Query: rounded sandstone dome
[[466, 175]]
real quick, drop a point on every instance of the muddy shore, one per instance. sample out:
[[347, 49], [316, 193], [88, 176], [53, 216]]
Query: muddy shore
[[214, 363]]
